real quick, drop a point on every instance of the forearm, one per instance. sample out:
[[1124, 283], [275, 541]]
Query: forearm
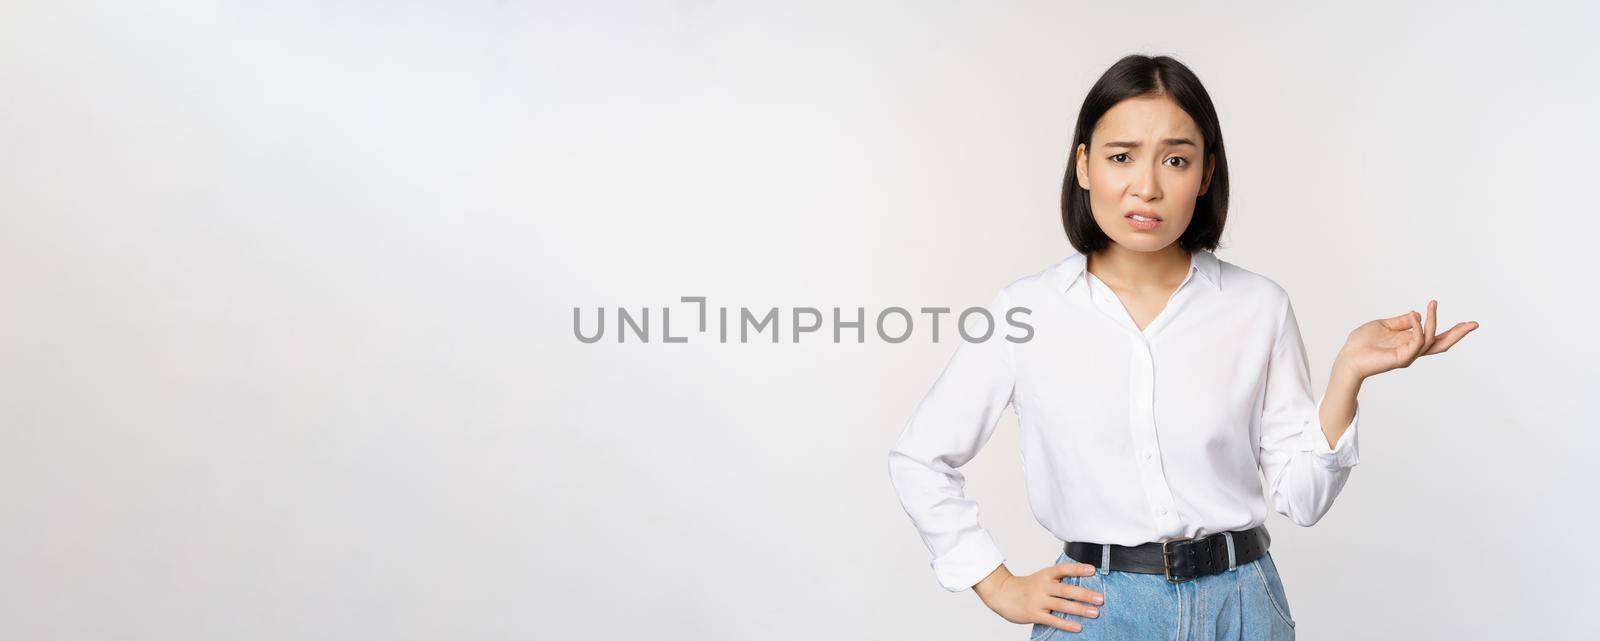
[[992, 582], [1339, 403]]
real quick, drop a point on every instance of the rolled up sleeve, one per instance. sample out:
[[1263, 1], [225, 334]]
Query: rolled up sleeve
[[1346, 452], [946, 430], [1304, 475]]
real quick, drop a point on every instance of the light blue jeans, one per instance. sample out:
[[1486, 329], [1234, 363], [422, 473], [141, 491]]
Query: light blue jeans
[[1245, 603]]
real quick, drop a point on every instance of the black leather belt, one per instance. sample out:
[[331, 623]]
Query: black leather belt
[[1181, 559]]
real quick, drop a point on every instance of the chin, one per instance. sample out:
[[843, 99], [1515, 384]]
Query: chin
[[1143, 242]]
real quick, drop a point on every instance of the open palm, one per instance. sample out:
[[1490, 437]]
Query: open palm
[[1391, 343]]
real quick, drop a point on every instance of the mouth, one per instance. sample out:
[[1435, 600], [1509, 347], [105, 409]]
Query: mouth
[[1143, 220]]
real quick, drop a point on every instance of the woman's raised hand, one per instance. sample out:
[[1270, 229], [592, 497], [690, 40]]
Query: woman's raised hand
[[1391, 343], [1031, 598]]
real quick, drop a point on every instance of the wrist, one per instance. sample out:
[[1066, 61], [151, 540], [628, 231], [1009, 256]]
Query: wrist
[[991, 584], [1344, 373]]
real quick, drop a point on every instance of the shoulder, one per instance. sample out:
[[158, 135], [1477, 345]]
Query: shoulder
[[1047, 279], [1258, 295], [1241, 283]]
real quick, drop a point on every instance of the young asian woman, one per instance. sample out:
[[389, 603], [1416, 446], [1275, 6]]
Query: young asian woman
[[1162, 391]]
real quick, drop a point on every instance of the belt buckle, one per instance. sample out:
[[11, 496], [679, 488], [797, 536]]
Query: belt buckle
[[1166, 560]]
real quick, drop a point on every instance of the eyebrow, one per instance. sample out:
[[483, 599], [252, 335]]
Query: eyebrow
[[1129, 144]]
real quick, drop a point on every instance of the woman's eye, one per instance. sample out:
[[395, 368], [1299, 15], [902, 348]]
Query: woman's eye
[[1114, 158], [1181, 161]]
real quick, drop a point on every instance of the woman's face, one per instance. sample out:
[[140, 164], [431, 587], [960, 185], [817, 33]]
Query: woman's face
[[1144, 156]]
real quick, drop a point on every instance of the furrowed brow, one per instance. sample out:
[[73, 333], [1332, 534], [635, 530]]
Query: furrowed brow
[[1133, 144]]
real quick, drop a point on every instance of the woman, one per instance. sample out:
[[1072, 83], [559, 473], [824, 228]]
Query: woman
[[1161, 390]]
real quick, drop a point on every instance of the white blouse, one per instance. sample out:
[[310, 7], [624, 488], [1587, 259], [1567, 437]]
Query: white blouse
[[1127, 436]]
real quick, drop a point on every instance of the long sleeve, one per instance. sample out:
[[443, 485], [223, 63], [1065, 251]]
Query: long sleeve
[[1304, 474], [947, 429]]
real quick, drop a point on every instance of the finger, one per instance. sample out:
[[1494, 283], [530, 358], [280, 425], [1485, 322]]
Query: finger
[[1060, 623], [1071, 568], [1411, 349], [1064, 604], [1451, 337], [1397, 323], [1433, 323], [1414, 346], [1079, 593]]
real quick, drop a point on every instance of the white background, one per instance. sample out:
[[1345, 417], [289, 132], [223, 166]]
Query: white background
[[286, 298]]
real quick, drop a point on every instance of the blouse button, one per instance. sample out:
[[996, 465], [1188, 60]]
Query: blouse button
[[1163, 510]]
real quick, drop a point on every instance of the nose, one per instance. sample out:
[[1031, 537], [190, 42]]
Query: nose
[[1146, 184]]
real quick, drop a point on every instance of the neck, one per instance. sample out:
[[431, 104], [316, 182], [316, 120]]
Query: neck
[[1140, 271]]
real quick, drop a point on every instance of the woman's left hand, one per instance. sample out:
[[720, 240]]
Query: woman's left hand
[[1391, 343]]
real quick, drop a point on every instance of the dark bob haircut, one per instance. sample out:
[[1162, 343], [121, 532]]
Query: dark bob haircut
[[1139, 76]]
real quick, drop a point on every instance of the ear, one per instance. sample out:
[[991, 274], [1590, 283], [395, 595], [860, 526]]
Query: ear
[[1211, 164], [1083, 166]]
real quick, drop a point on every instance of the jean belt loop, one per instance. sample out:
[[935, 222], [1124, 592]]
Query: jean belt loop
[[1105, 558], [1233, 565]]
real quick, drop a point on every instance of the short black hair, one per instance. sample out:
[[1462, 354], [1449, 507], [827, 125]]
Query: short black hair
[[1138, 76]]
